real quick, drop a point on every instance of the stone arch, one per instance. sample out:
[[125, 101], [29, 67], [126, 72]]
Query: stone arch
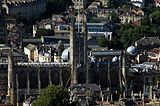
[[94, 76], [54, 77], [44, 78], [114, 73], [81, 77], [33, 77], [103, 78], [22, 79], [65, 77]]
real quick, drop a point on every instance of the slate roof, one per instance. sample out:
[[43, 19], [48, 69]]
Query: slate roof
[[148, 42], [17, 53], [31, 47], [107, 53], [57, 37], [37, 42], [33, 40]]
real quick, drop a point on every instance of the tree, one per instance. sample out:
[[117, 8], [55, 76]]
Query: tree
[[151, 8], [110, 4], [53, 96], [114, 17], [155, 17], [126, 37], [128, 33], [114, 3], [150, 26], [115, 44], [102, 41], [145, 21]]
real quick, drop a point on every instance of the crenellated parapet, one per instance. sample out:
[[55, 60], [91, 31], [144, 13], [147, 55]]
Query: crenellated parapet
[[20, 1], [27, 9], [52, 64]]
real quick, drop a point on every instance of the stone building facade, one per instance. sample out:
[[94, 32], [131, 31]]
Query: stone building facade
[[28, 9]]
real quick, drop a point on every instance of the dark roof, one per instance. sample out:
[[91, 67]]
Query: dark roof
[[17, 53], [107, 53], [92, 41], [56, 37], [32, 40], [148, 42]]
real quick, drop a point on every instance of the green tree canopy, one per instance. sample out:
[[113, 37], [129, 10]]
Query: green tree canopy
[[114, 17], [113, 4], [151, 8], [128, 33], [53, 96], [145, 21], [155, 17], [110, 4], [102, 41]]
